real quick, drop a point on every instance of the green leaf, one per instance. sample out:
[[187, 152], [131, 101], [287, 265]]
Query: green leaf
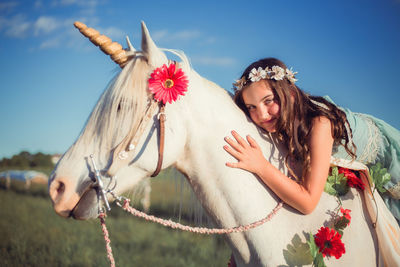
[[319, 261], [335, 171], [336, 183], [313, 247], [340, 231], [297, 253], [341, 185], [380, 176], [329, 189], [341, 223]]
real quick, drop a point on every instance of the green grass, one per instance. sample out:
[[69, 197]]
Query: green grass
[[31, 234]]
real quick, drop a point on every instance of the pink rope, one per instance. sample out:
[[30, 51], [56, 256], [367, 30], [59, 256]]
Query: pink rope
[[110, 256], [200, 230], [174, 225]]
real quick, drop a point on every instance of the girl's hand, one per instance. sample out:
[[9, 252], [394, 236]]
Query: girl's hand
[[248, 154]]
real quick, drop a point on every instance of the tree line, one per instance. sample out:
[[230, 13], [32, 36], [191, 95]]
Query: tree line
[[26, 160]]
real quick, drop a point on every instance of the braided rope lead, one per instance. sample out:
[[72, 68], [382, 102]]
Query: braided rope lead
[[200, 230], [110, 256]]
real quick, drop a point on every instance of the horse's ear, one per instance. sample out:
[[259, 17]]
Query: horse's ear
[[154, 55]]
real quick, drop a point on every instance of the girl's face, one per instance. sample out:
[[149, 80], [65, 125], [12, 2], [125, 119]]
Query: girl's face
[[262, 106]]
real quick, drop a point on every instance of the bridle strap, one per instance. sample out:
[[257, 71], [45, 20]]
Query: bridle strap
[[161, 134], [124, 152]]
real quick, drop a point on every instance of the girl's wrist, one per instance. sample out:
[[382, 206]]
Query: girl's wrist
[[263, 168]]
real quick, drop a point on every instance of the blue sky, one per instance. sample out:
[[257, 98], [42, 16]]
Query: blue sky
[[51, 77]]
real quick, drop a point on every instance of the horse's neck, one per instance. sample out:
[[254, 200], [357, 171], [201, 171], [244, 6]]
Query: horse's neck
[[224, 191]]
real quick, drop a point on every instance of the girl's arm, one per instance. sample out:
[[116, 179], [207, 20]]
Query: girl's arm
[[303, 197]]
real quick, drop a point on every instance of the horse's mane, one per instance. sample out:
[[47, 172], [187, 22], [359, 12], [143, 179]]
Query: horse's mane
[[122, 106], [124, 102]]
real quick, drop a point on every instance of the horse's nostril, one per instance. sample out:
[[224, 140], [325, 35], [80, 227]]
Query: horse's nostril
[[63, 195], [60, 188], [57, 190]]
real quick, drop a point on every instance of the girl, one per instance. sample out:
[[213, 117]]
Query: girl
[[313, 129]]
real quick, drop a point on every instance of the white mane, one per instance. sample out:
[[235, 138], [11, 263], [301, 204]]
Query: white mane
[[121, 106], [124, 102]]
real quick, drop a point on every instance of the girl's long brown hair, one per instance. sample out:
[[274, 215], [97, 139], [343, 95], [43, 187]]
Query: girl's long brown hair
[[295, 122]]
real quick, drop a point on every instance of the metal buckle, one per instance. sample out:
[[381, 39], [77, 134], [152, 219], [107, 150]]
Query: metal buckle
[[99, 184]]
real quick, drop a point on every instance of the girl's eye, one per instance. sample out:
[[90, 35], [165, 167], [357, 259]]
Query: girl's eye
[[268, 101], [250, 108]]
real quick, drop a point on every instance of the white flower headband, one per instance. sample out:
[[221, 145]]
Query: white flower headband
[[276, 72]]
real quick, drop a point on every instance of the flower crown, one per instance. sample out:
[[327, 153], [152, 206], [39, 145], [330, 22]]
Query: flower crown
[[276, 72]]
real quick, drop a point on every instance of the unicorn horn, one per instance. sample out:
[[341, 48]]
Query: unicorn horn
[[113, 49]]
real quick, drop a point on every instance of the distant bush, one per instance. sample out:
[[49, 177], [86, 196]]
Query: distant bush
[[26, 160]]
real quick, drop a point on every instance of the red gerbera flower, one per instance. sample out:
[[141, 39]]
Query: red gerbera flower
[[329, 242], [346, 213], [167, 83], [352, 179]]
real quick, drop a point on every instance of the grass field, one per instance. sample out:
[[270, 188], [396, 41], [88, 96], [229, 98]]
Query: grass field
[[31, 234]]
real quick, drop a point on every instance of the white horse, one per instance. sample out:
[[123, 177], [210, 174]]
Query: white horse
[[194, 137]]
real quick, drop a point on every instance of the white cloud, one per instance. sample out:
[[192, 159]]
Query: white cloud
[[51, 31], [87, 7], [186, 35], [45, 25], [112, 32], [215, 61], [159, 35], [50, 43], [66, 35], [181, 36], [88, 20], [16, 26]]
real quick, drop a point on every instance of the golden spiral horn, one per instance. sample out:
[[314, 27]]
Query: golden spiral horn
[[113, 49]]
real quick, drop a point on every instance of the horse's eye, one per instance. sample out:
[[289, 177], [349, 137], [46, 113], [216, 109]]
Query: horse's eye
[[119, 107]]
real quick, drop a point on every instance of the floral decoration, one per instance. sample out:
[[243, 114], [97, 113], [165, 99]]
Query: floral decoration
[[329, 242], [346, 214], [256, 75], [238, 85], [167, 83], [352, 179], [275, 72], [290, 75]]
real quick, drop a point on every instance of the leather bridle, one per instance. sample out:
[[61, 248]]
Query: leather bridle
[[120, 157], [161, 138]]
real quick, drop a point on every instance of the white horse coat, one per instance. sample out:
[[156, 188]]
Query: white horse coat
[[194, 137]]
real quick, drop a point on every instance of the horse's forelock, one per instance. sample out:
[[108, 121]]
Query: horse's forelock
[[121, 106]]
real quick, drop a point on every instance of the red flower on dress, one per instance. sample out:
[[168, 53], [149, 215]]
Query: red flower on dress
[[352, 179], [167, 83], [346, 214], [329, 242]]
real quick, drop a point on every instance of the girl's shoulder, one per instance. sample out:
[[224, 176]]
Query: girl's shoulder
[[321, 125], [320, 121]]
